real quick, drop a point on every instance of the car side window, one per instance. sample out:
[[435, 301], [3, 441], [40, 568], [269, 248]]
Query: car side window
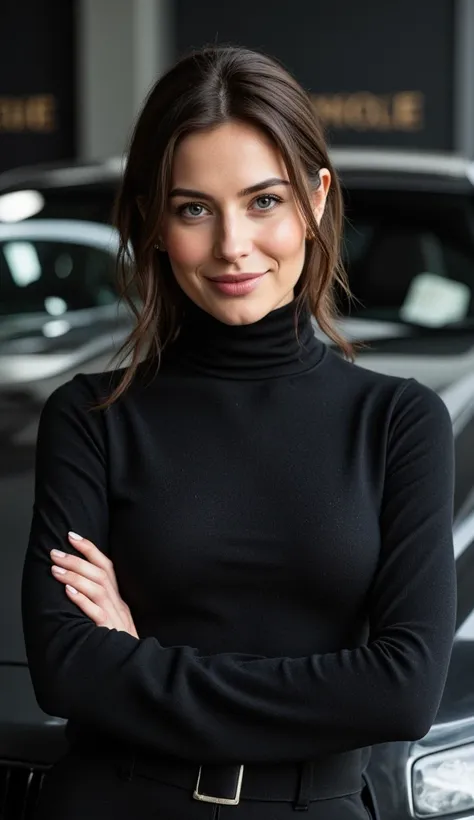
[[409, 255], [409, 273], [54, 276]]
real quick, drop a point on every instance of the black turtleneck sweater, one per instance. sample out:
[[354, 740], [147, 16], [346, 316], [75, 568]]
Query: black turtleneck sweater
[[280, 523]]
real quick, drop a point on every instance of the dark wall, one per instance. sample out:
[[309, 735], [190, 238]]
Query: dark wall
[[36, 81], [381, 73]]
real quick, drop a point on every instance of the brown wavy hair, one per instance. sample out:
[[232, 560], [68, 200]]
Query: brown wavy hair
[[203, 90]]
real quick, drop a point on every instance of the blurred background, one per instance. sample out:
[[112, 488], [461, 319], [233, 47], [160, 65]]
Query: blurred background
[[73, 73], [393, 82]]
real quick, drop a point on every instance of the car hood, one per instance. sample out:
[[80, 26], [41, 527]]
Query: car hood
[[40, 346]]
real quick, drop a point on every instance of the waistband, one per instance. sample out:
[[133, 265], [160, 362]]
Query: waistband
[[331, 776]]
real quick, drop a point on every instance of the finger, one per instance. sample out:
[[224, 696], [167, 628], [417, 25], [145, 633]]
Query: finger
[[88, 607], [79, 566], [93, 554], [95, 592]]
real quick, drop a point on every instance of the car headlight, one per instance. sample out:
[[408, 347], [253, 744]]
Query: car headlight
[[443, 783]]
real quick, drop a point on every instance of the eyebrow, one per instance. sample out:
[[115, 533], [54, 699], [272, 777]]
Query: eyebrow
[[253, 189]]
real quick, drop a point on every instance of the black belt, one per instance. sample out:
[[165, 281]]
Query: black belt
[[299, 783]]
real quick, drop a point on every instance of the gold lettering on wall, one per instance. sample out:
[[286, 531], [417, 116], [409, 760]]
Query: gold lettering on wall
[[365, 111], [37, 114], [408, 110]]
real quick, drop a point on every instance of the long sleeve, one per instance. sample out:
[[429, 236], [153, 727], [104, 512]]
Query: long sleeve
[[232, 706]]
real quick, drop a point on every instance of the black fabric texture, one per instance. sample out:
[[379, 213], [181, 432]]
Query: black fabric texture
[[280, 522]]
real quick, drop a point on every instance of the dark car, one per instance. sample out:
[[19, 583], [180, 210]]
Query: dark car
[[409, 249]]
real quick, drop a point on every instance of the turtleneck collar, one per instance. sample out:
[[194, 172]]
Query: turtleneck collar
[[268, 348]]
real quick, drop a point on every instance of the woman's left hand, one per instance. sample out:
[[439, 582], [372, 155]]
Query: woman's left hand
[[91, 584]]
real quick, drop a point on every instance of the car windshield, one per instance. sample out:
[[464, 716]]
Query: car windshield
[[410, 258]]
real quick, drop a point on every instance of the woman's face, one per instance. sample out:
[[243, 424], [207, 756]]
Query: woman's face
[[233, 232]]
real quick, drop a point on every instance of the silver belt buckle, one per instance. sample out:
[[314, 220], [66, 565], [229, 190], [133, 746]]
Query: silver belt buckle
[[222, 801]]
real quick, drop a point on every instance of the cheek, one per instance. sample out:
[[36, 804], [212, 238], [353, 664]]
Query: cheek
[[286, 238], [186, 248]]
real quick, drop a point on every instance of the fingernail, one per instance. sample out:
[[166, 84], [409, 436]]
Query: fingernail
[[58, 570], [58, 553], [75, 536], [71, 589]]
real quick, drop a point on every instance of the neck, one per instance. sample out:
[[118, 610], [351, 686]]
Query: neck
[[282, 343]]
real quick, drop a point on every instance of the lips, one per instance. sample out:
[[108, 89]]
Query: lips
[[232, 278], [236, 284]]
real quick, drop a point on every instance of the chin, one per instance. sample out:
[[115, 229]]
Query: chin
[[241, 311]]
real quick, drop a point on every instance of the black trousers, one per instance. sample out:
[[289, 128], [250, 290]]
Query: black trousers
[[82, 786]]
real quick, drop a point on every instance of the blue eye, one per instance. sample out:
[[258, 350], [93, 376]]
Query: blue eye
[[195, 210], [268, 202], [191, 210]]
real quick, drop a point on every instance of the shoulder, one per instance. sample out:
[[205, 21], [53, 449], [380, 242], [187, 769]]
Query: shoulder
[[353, 379], [402, 391], [420, 409], [79, 398], [86, 390], [75, 403], [402, 402], [80, 393]]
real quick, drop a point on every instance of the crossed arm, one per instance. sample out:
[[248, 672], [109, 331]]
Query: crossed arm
[[88, 664], [90, 582]]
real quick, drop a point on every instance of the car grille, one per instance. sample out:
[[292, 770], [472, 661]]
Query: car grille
[[19, 789]]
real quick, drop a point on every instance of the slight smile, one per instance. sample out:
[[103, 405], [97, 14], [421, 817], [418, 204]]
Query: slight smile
[[237, 284]]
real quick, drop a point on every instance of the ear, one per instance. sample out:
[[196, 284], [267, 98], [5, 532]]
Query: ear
[[319, 196]]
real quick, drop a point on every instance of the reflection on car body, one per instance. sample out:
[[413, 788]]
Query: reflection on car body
[[409, 248], [59, 315]]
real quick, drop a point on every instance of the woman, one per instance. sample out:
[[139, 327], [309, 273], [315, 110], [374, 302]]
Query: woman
[[262, 584]]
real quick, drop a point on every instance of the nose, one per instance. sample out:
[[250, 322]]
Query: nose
[[233, 240]]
